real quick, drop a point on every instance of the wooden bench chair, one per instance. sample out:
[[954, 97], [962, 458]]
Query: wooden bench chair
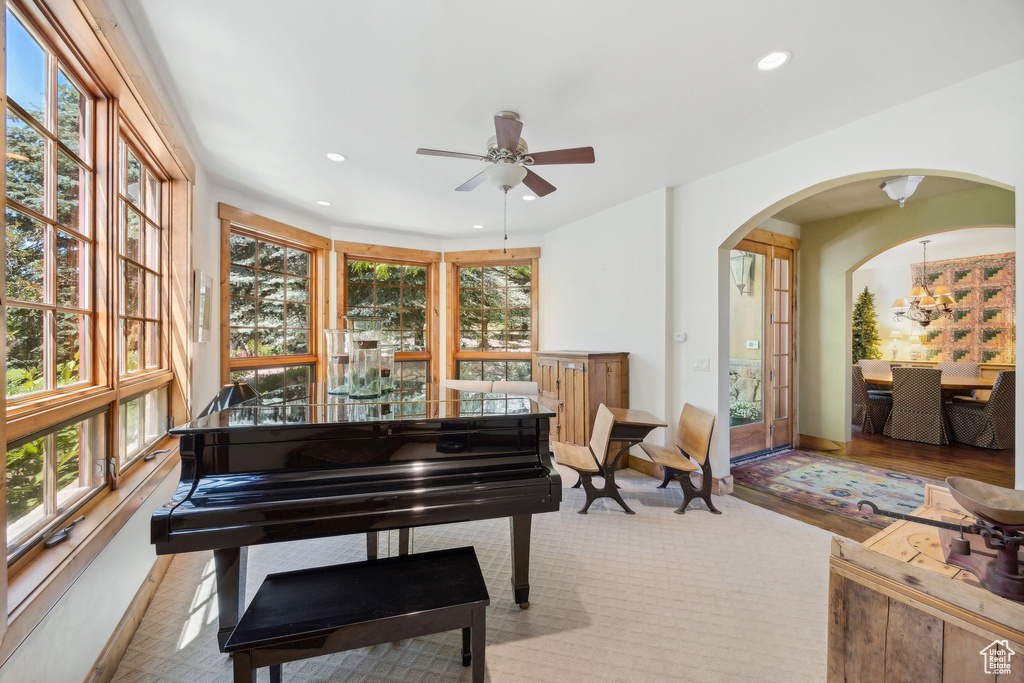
[[691, 453], [318, 611], [592, 461]]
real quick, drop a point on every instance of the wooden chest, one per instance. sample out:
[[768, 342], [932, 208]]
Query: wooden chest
[[898, 612], [574, 384]]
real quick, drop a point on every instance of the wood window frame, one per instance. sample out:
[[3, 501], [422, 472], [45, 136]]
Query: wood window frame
[[255, 225], [431, 260], [481, 258], [86, 37]]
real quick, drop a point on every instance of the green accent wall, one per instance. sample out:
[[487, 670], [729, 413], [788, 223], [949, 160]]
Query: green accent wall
[[829, 251]]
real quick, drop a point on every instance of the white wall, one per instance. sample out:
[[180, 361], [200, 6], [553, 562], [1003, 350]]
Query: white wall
[[70, 638], [972, 127], [602, 288]]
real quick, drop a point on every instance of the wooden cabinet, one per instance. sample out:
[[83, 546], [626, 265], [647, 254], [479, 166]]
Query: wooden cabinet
[[898, 612], [575, 383]]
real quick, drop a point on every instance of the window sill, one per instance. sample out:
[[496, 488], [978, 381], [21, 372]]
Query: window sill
[[41, 578]]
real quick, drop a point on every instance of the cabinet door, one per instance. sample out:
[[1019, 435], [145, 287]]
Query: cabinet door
[[547, 378], [573, 394]]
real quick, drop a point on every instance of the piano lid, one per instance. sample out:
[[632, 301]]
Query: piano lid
[[311, 404]]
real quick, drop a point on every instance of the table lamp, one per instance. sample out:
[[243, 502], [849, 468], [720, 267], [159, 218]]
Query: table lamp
[[894, 335]]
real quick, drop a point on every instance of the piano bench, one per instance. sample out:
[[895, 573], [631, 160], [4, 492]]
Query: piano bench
[[318, 611]]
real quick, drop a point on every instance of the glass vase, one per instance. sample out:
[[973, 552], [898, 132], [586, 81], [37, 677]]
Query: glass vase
[[338, 360], [387, 368], [364, 335]]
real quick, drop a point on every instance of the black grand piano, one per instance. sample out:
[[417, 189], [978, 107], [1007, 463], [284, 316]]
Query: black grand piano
[[300, 463]]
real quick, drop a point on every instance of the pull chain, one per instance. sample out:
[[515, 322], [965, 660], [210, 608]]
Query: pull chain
[[504, 223]]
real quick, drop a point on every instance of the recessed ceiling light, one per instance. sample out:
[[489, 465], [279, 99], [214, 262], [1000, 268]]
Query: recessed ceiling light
[[773, 60], [334, 156], [529, 197], [323, 202], [479, 227]]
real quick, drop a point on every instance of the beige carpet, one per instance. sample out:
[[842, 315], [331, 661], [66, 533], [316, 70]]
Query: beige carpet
[[650, 597]]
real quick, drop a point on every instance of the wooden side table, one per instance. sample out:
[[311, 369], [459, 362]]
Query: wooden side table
[[897, 611]]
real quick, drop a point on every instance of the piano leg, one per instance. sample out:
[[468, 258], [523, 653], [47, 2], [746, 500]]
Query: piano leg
[[230, 572], [520, 535], [371, 545], [403, 541]]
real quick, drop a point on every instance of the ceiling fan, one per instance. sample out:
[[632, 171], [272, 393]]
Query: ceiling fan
[[510, 158]]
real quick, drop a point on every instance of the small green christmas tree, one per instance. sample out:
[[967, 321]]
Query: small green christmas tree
[[866, 343]]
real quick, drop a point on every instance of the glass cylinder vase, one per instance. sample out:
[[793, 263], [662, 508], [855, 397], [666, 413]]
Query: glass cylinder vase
[[338, 360], [364, 335]]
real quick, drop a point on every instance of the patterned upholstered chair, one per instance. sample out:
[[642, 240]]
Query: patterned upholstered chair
[[961, 370], [987, 424], [917, 413], [875, 367], [870, 408]]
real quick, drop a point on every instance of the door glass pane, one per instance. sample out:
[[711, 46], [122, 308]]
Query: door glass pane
[[746, 343]]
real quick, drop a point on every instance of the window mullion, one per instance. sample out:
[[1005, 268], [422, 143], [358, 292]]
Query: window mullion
[[50, 474]]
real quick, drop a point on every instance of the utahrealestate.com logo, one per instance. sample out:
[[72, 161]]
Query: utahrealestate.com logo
[[997, 657]]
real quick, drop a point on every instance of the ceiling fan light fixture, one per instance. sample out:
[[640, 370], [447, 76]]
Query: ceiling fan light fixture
[[529, 197], [505, 175], [900, 189]]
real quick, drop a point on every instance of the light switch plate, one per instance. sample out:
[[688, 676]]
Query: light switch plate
[[680, 336], [702, 364]]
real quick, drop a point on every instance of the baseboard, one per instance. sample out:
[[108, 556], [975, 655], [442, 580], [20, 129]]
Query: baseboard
[[114, 650], [816, 443], [720, 486]]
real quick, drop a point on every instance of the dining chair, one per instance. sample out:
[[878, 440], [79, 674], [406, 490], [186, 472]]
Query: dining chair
[[987, 424], [473, 385], [917, 413], [870, 408], [876, 367], [961, 370], [690, 453], [588, 460], [520, 388]]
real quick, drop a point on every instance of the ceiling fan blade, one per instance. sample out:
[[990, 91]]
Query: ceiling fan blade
[[508, 131], [472, 182], [455, 155], [576, 155], [539, 186]]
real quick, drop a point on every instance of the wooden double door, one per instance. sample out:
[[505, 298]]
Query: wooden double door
[[762, 353]]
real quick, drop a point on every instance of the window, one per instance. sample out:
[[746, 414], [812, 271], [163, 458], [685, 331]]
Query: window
[[269, 308], [49, 235], [49, 474], [139, 260], [272, 277], [492, 314], [88, 245], [143, 422], [399, 286]]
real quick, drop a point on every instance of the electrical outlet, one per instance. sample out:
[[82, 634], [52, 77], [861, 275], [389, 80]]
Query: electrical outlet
[[680, 336], [702, 364], [753, 344]]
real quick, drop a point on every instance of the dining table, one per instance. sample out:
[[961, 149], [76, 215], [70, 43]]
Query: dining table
[[951, 384]]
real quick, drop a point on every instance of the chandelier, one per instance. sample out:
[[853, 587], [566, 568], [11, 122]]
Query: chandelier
[[925, 305]]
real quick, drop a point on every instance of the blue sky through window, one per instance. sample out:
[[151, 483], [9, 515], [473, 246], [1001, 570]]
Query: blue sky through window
[[26, 68]]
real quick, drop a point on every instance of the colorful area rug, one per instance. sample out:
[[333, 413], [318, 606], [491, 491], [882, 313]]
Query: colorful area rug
[[833, 485]]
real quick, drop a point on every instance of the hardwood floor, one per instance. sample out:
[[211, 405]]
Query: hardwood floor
[[877, 450]]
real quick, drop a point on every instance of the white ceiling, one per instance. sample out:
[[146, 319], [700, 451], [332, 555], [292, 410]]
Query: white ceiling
[[864, 195], [962, 243], [666, 92]]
